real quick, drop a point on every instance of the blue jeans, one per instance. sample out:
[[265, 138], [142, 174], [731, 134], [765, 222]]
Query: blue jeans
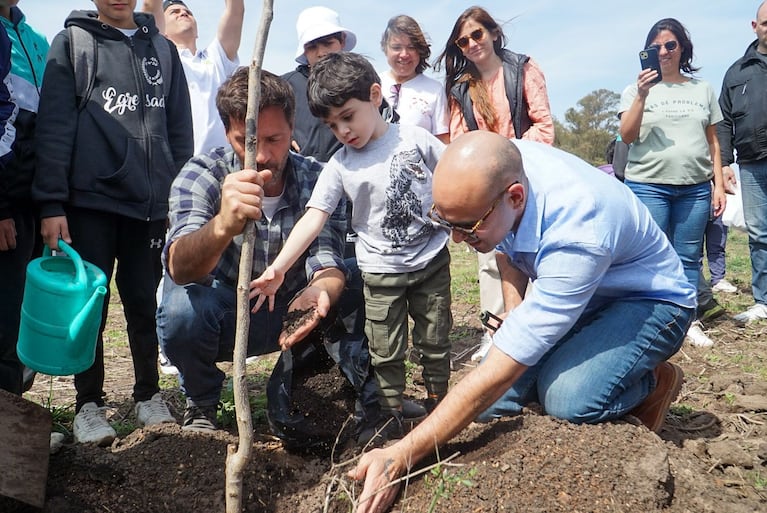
[[603, 367], [682, 212], [716, 242], [196, 329], [716, 252], [753, 185]]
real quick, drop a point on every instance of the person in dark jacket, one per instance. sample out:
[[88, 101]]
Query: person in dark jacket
[[27, 51], [104, 168], [743, 101], [11, 286], [319, 33]]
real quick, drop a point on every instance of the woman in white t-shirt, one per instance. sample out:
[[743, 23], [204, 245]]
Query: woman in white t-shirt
[[418, 99]]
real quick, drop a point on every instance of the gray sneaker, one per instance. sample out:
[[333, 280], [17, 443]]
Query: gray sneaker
[[754, 313], [91, 425], [153, 411]]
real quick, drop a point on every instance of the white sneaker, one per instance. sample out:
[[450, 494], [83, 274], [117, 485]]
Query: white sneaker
[[91, 425], [484, 346], [756, 312], [165, 366], [696, 337], [724, 286], [153, 411]]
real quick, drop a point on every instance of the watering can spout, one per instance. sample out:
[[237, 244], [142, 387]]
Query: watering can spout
[[89, 317]]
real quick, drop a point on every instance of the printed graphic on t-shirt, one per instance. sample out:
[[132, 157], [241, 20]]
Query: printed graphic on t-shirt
[[402, 204]]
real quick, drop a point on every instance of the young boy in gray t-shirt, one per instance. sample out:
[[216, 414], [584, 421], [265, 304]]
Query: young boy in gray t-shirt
[[386, 171]]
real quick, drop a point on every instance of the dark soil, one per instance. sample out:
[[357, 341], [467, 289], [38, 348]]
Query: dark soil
[[325, 398], [710, 457], [295, 319]]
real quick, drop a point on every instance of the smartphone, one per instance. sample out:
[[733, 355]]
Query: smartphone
[[649, 59]]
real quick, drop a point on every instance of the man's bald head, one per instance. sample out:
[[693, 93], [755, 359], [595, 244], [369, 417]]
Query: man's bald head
[[473, 168]]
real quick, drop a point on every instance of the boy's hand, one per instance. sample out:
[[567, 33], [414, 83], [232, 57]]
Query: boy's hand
[[312, 299], [54, 228], [265, 287]]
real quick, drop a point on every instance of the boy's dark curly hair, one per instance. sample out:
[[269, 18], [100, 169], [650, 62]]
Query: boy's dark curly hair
[[336, 79]]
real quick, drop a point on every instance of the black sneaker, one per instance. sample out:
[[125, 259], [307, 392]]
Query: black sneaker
[[388, 427], [710, 310], [200, 418]]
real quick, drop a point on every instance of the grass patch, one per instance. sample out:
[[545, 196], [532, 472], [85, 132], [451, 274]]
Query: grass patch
[[464, 284]]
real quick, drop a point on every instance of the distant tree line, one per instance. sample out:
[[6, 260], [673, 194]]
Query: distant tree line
[[590, 126]]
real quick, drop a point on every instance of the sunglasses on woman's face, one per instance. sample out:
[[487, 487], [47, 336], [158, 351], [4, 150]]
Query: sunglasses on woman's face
[[670, 46], [476, 35]]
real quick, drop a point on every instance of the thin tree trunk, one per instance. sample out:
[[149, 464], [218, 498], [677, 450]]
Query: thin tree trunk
[[237, 457]]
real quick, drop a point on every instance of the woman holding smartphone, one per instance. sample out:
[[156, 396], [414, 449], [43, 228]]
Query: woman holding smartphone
[[494, 89], [674, 152]]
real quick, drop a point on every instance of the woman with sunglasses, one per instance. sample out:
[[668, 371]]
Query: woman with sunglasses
[[418, 99], [674, 153], [494, 89], [491, 88]]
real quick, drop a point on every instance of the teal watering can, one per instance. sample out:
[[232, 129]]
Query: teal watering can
[[61, 313]]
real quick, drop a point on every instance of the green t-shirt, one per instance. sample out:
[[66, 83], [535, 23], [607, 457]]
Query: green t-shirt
[[672, 148]]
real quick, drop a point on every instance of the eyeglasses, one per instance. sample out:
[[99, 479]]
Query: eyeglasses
[[476, 35], [670, 46], [468, 230]]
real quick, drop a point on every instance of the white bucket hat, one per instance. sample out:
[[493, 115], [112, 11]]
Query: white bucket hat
[[316, 22]]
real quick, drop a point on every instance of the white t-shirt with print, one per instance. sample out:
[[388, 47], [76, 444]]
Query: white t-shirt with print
[[421, 102], [389, 183]]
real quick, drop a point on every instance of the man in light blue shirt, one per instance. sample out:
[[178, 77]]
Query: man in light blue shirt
[[589, 338]]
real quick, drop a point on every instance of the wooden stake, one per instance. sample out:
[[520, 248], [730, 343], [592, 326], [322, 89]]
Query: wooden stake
[[237, 457]]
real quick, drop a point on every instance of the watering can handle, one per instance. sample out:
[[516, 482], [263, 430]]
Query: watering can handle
[[75, 256]]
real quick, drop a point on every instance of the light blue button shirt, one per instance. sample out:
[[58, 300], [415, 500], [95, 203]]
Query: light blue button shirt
[[584, 239]]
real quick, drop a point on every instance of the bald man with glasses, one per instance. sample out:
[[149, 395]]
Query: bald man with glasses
[[588, 340]]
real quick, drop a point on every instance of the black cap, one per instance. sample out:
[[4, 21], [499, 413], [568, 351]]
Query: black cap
[[168, 3]]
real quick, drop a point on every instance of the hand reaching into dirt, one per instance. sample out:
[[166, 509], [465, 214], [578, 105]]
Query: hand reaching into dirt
[[379, 470], [316, 303], [266, 286]]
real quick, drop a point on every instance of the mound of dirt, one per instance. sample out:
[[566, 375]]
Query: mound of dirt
[[711, 456]]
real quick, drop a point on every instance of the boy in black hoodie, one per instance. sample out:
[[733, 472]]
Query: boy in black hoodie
[[103, 173]]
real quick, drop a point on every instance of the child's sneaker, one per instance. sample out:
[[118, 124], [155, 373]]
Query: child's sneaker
[[91, 425], [200, 418], [153, 411]]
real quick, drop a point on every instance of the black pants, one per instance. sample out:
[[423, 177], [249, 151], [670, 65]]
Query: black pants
[[13, 271], [102, 238]]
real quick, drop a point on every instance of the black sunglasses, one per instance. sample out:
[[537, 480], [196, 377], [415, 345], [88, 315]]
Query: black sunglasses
[[476, 35], [670, 46]]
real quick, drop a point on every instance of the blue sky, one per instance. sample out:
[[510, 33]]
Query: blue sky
[[581, 46]]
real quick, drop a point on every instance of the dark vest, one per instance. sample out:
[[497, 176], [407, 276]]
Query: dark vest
[[514, 80]]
